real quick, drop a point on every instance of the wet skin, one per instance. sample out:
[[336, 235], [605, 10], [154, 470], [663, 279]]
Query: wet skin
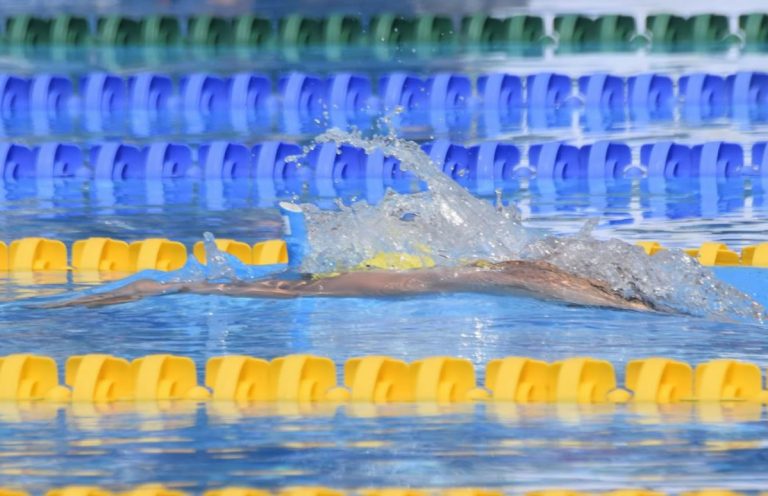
[[521, 278]]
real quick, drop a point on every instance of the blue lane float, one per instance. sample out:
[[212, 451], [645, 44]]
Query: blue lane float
[[605, 159], [116, 162], [349, 92], [248, 91], [547, 90], [704, 96], [222, 160], [167, 161], [203, 95], [491, 161], [453, 160], [57, 160], [749, 95], [494, 162], [652, 91], [401, 90], [498, 92], [748, 88], [103, 93], [304, 94], [50, 94], [378, 165], [667, 160], [242, 101], [16, 162], [449, 91], [556, 161], [603, 91], [760, 158], [271, 161], [336, 165], [14, 96], [718, 159], [650, 97], [150, 93]]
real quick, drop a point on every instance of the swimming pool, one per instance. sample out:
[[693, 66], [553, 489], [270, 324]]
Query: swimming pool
[[591, 447], [509, 446]]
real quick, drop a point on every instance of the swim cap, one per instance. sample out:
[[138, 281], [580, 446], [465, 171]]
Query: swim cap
[[396, 261]]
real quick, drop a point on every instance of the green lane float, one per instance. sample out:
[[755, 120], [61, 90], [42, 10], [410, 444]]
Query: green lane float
[[575, 32]]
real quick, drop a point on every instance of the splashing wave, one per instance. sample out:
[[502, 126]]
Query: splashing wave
[[451, 226]]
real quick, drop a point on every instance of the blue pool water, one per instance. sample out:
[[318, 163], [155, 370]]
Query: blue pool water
[[682, 214], [492, 445], [508, 446], [512, 447], [501, 445]]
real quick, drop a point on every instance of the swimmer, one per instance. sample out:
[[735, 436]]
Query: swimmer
[[536, 279]]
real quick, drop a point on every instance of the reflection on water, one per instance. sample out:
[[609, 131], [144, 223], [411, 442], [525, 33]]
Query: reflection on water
[[678, 213], [516, 447], [474, 326], [156, 416], [512, 447]]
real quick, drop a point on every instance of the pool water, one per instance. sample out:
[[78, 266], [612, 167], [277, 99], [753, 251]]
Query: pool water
[[517, 448], [681, 214]]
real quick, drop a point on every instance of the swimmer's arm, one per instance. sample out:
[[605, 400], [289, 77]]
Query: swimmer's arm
[[352, 284], [540, 280], [271, 288], [125, 294]]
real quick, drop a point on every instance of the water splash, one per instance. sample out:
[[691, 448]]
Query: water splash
[[218, 265], [446, 221], [669, 279], [450, 225]]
